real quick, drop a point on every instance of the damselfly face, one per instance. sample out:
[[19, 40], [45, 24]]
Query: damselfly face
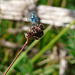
[[33, 18]]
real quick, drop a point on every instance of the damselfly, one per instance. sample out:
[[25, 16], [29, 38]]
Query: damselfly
[[33, 18]]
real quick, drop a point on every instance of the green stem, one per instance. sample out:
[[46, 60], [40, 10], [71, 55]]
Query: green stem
[[50, 44]]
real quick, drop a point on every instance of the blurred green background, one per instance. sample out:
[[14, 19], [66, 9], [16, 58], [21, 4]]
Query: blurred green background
[[26, 64]]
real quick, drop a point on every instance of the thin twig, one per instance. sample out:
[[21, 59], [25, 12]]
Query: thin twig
[[16, 57]]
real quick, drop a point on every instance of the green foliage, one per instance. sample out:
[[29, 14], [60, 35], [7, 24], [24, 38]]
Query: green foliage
[[24, 66], [45, 39], [49, 70], [70, 4], [71, 42], [18, 38], [69, 37], [43, 2]]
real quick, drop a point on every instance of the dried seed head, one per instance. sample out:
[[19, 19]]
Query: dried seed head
[[35, 32]]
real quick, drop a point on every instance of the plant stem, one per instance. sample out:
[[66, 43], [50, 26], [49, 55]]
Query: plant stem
[[28, 49], [16, 57]]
